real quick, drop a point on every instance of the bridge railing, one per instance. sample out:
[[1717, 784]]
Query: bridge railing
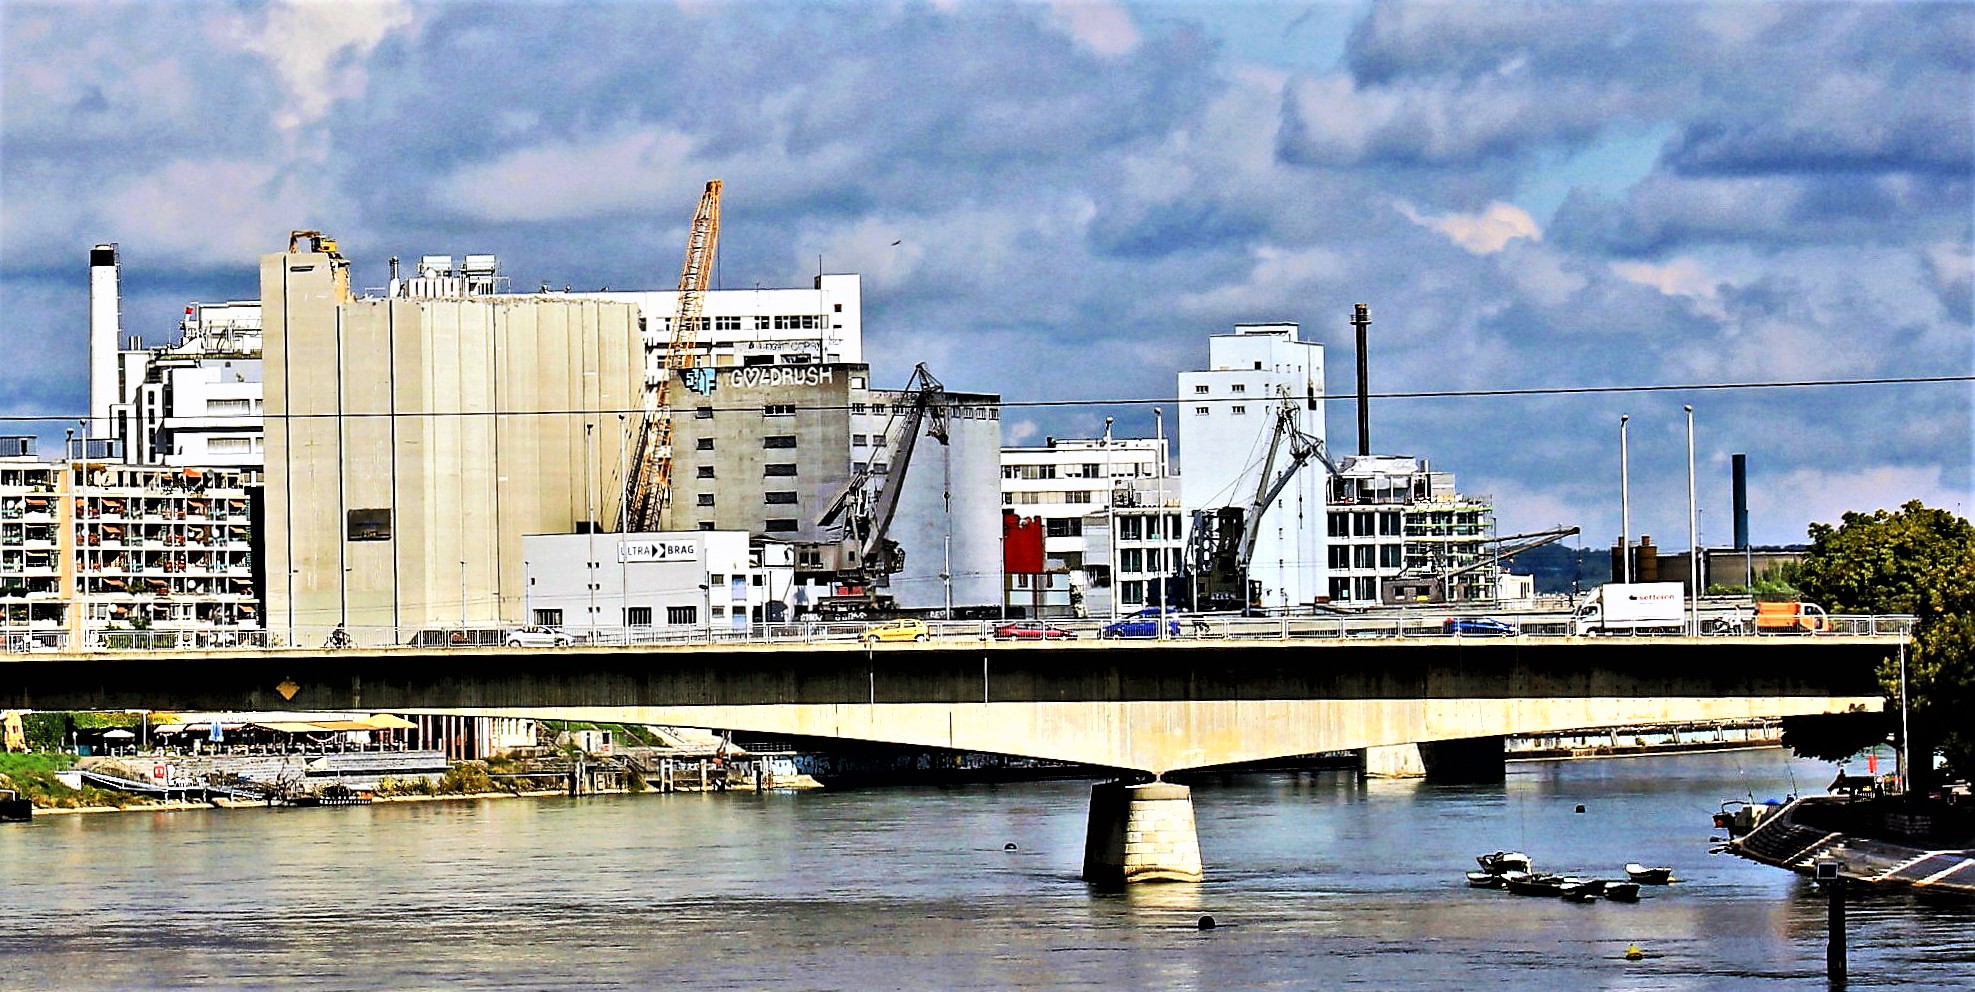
[[1190, 627]]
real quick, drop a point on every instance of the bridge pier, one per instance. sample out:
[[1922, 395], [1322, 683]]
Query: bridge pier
[[1141, 833], [1392, 761], [1470, 759]]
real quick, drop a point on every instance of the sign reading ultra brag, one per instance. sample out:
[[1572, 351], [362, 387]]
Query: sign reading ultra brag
[[628, 551]]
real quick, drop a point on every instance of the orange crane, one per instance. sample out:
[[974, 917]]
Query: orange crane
[[648, 484]]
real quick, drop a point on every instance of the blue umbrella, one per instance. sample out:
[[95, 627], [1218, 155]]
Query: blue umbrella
[[216, 734]]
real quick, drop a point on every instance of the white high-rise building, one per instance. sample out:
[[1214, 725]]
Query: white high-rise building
[[1076, 487], [1227, 416]]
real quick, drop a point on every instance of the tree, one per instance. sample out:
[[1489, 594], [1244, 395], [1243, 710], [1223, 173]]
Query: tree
[[1920, 561]]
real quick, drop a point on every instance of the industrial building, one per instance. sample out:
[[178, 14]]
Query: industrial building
[[1400, 532], [642, 588], [1075, 489], [1228, 422]]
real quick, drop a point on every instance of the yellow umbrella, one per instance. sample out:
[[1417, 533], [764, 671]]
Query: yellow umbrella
[[385, 721], [13, 737]]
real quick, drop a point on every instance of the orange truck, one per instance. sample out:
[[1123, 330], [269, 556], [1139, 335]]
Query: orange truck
[[1792, 617]]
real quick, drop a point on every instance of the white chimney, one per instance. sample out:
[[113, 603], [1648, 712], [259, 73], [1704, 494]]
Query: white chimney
[[105, 332]]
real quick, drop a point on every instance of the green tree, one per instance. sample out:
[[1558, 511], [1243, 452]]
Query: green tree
[[1920, 561]]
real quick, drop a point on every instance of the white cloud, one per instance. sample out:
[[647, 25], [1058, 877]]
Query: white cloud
[[317, 48], [1819, 495], [1099, 25], [219, 210], [634, 168], [1019, 431], [1683, 277], [1482, 233], [1280, 281]]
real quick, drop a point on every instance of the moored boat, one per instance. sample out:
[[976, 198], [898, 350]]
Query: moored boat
[[1648, 876], [1502, 862], [1524, 883], [1622, 891], [1581, 889], [1484, 880]]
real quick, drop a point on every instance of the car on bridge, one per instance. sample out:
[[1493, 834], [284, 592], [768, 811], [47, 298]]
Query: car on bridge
[[898, 630], [1143, 624], [1477, 627], [536, 636], [1032, 630]]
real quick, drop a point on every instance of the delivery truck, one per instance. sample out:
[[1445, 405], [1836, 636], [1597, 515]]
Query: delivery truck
[[1633, 608]]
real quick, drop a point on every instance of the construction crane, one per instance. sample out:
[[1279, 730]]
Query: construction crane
[[1223, 540], [1504, 547], [648, 480], [865, 556]]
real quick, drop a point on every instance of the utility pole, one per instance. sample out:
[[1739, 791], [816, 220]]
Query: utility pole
[[1159, 466], [1693, 537], [1111, 519], [1624, 505]]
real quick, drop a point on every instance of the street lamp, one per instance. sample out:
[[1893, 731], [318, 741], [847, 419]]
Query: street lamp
[[1111, 519], [1159, 466], [1693, 537], [1624, 504]]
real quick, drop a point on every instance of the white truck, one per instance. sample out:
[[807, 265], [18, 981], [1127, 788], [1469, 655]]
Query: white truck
[[1633, 608]]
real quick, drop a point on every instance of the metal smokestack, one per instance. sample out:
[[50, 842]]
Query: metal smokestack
[[105, 333], [1740, 465], [1361, 318]]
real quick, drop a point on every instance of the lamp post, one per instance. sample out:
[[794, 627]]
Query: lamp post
[[1111, 520], [1624, 504], [1693, 537], [1906, 745], [590, 525], [1159, 466], [462, 598]]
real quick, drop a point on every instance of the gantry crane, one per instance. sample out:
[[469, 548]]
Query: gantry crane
[[648, 483], [866, 556]]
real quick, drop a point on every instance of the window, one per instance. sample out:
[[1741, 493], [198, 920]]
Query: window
[[1131, 528], [229, 406], [760, 323], [1091, 470], [783, 496], [1361, 524], [1200, 390], [1199, 411], [637, 616], [370, 525], [1366, 588], [778, 441], [1340, 556], [703, 444], [1340, 589], [1131, 593], [778, 410], [1363, 556], [783, 525], [706, 525], [1388, 523], [705, 472], [703, 499], [1239, 410], [1063, 527], [702, 413], [717, 579], [724, 324], [880, 468], [862, 440], [857, 408], [778, 469], [1340, 525], [1077, 496], [682, 614], [1240, 387], [757, 360], [1390, 556], [220, 444], [548, 618], [1131, 560]]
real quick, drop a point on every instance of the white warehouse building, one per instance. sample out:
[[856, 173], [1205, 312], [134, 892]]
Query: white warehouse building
[[1227, 414]]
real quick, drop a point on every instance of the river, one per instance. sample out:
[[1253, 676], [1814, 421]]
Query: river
[[1317, 881]]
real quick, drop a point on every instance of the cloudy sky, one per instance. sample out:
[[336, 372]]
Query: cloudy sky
[[1060, 201]]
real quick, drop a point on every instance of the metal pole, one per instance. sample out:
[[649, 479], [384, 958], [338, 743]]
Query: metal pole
[[1624, 505], [590, 525], [1906, 744], [1693, 538], [1111, 519], [1834, 946], [462, 598], [1159, 466]]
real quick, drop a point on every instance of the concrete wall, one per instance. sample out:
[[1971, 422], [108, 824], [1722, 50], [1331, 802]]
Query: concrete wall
[[454, 417]]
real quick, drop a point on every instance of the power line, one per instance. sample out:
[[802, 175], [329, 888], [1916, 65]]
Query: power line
[[1116, 401]]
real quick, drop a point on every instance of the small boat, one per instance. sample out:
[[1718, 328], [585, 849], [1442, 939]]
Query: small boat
[[1524, 883], [1502, 862], [1484, 880], [1582, 889], [1648, 876], [1739, 817], [1622, 891]]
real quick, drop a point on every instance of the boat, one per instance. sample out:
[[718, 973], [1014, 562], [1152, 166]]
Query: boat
[[14, 809], [1582, 889], [1524, 883], [1622, 891], [1738, 817], [1648, 876], [1484, 880], [1502, 862]]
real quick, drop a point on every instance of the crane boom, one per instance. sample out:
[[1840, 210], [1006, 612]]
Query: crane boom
[[866, 528], [1302, 448], [648, 484]]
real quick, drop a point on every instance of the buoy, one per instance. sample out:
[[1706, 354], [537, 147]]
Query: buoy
[[1633, 953], [1008, 846], [1580, 807], [1206, 923]]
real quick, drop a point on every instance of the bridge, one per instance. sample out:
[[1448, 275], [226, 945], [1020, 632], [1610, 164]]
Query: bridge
[[1143, 708]]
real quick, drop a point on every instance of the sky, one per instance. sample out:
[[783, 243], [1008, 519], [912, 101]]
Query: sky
[[1061, 201]]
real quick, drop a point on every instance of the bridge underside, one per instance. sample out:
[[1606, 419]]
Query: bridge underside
[[1146, 707]]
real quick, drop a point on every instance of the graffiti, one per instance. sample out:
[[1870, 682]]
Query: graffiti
[[700, 380], [754, 376]]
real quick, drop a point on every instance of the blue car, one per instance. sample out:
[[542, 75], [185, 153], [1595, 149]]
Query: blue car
[[1145, 625], [1477, 627]]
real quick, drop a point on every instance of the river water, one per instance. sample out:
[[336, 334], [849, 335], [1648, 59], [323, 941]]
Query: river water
[[1318, 882]]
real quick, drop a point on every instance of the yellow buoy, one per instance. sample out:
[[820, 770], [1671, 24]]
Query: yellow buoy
[[1633, 953]]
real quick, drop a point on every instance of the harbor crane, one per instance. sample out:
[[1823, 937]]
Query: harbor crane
[[1223, 540], [865, 556], [648, 479]]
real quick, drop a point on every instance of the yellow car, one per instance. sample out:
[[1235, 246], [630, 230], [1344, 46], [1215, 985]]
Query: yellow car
[[898, 630]]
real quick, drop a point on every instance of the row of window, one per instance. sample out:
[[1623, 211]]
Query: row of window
[[1238, 410], [1148, 560], [1363, 588], [772, 498], [1087, 470], [1366, 556], [778, 322], [1238, 387], [1382, 523]]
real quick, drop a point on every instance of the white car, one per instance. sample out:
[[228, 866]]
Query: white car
[[535, 636]]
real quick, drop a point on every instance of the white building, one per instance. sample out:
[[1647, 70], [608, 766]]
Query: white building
[[637, 587], [1072, 485], [1227, 417], [822, 324], [1401, 532]]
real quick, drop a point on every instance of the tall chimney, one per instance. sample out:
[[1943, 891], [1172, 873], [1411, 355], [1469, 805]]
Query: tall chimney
[[1361, 318], [105, 333], [1740, 465]]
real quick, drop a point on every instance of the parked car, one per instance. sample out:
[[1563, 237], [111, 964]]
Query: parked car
[[1032, 630], [536, 636], [1478, 627], [1146, 626], [898, 630]]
